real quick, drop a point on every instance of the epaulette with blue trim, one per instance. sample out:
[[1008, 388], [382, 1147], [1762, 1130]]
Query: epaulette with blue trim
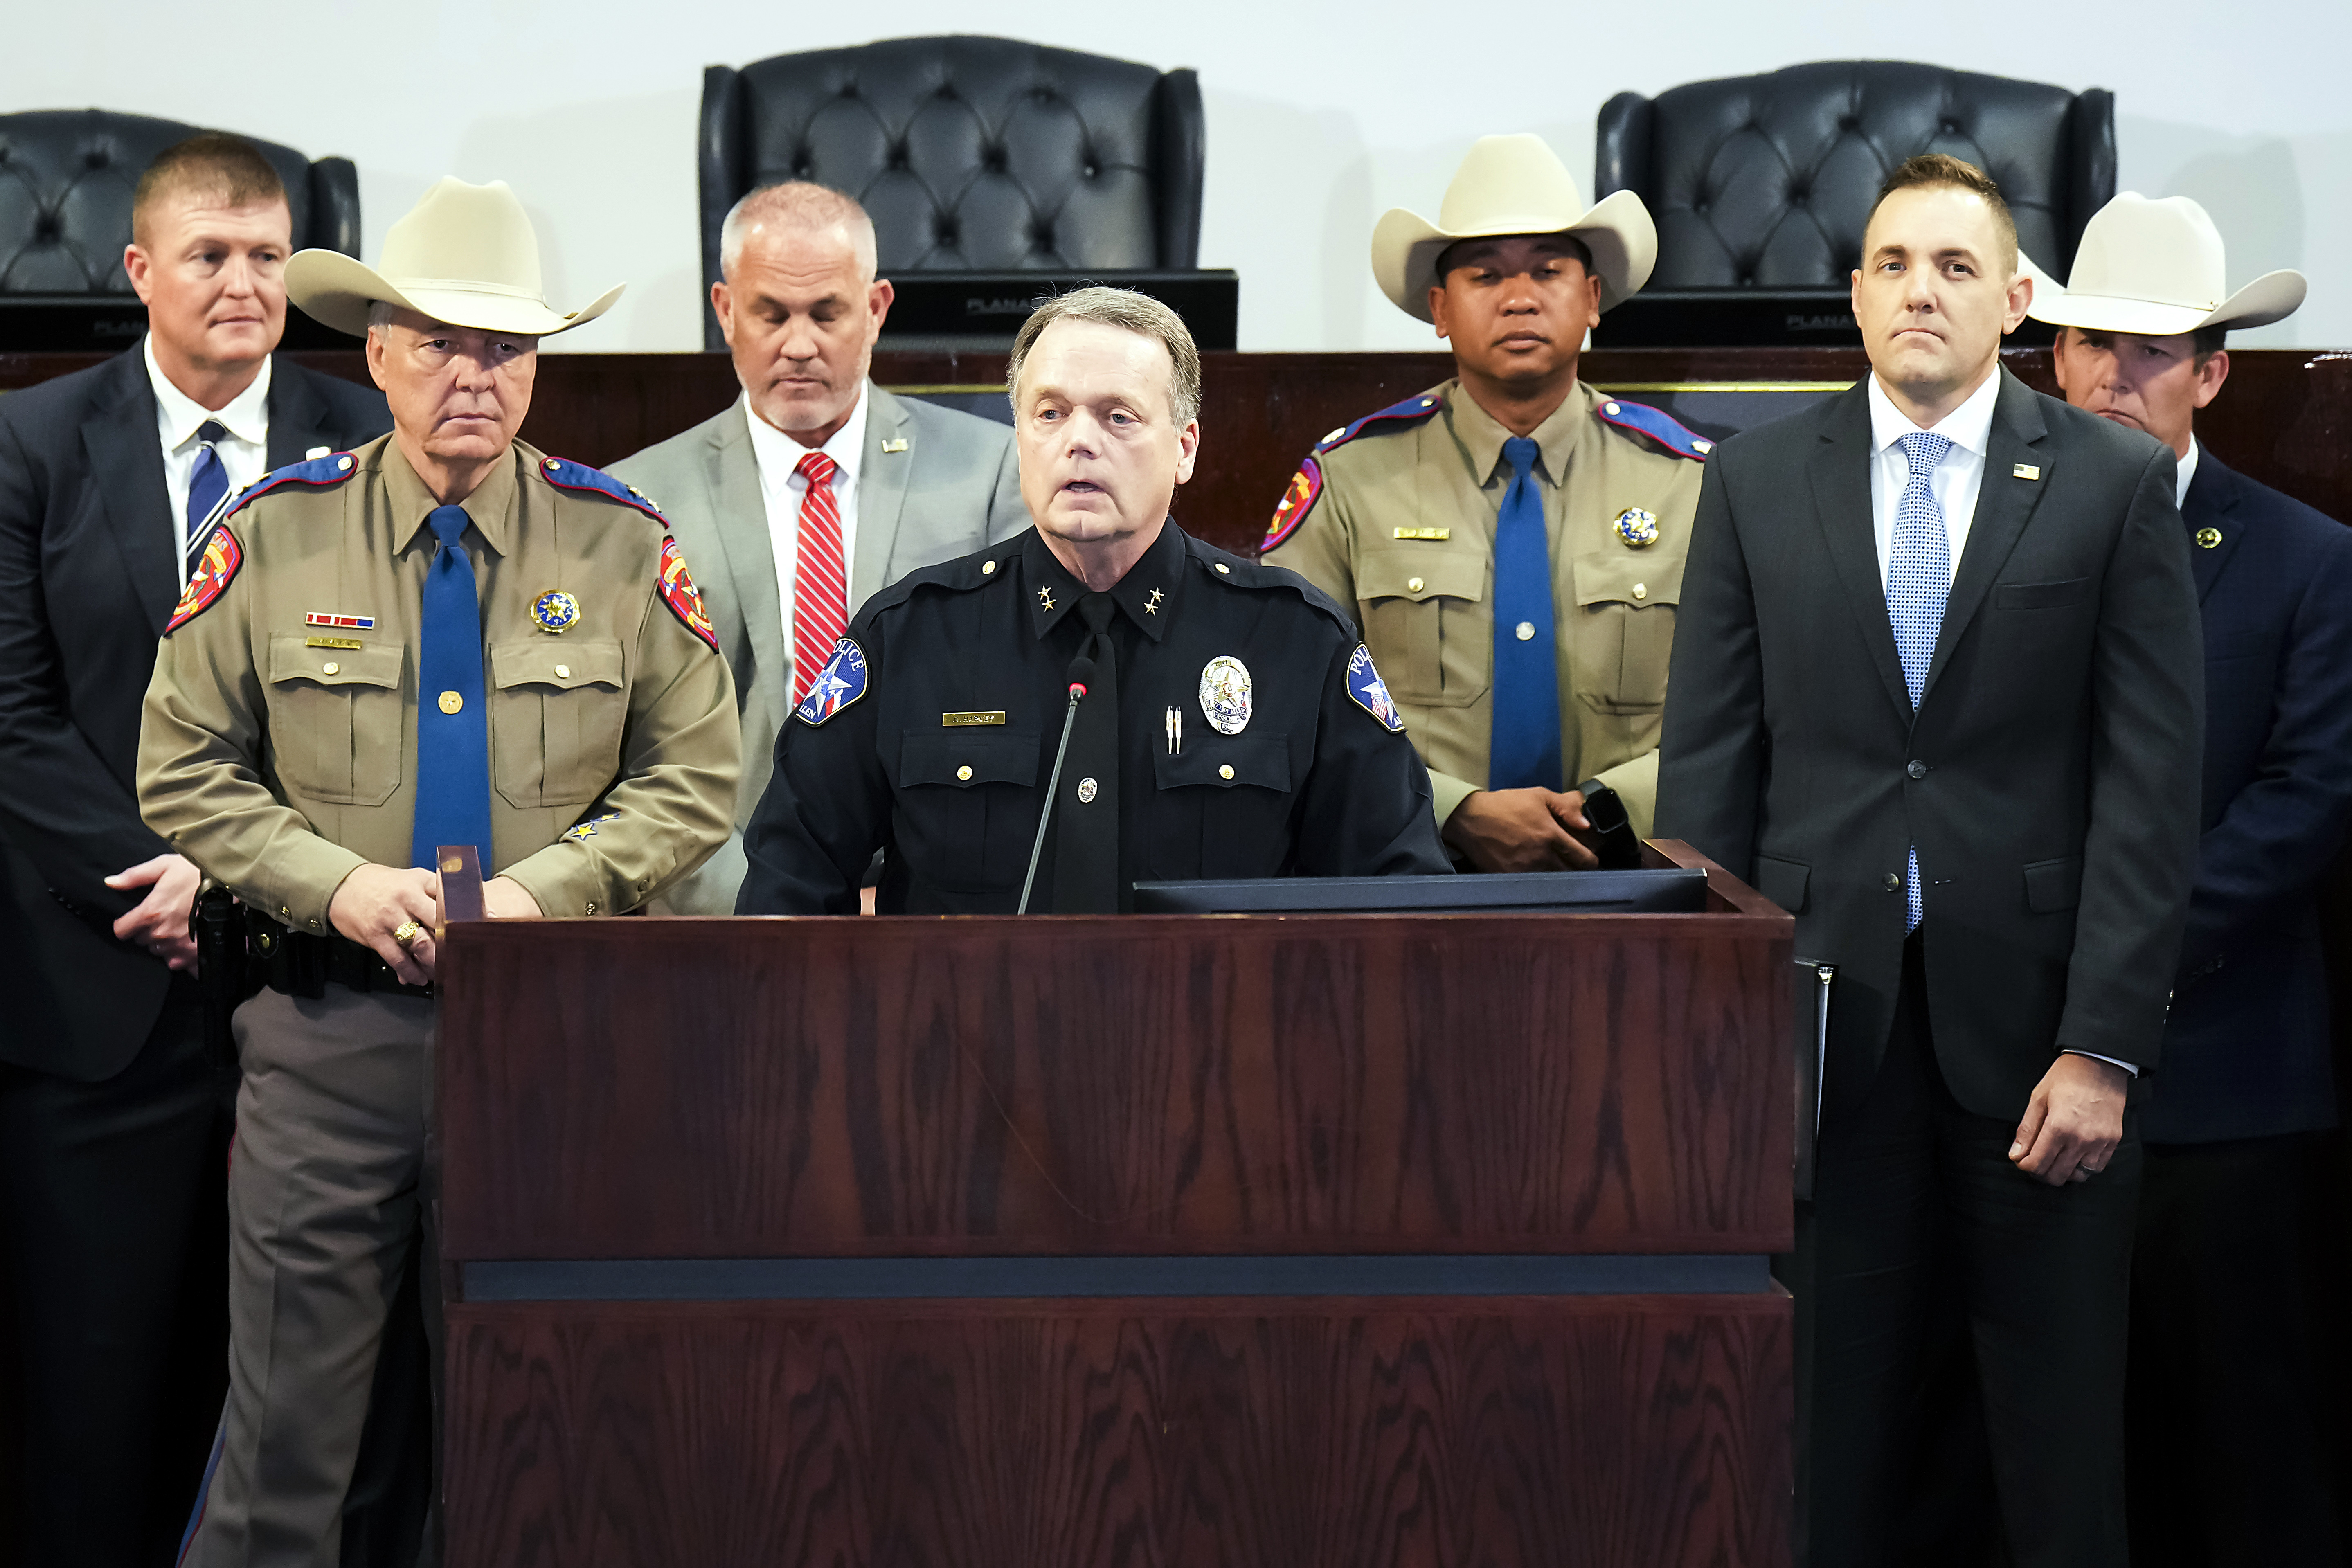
[[1307, 484], [1659, 426], [566, 475], [317, 472], [1420, 405], [675, 582]]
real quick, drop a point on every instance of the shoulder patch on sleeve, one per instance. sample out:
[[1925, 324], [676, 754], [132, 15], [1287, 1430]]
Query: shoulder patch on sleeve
[[841, 682], [566, 475], [679, 592], [1641, 419], [1420, 405], [1297, 502], [214, 571], [1371, 692]]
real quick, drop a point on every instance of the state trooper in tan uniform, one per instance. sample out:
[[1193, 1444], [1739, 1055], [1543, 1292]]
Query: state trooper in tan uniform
[[1398, 511], [441, 638]]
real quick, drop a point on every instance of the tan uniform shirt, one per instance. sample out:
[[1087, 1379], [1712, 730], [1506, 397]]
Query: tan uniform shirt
[[279, 755], [1404, 526]]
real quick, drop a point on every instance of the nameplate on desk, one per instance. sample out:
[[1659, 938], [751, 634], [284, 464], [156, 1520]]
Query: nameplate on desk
[[962, 720]]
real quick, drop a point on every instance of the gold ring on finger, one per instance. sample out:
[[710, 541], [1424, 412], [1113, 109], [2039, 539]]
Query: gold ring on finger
[[407, 932]]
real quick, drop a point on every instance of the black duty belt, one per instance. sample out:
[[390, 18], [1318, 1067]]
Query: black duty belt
[[300, 963]]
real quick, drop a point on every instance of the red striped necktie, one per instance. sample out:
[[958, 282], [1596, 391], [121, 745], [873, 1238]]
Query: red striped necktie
[[820, 575]]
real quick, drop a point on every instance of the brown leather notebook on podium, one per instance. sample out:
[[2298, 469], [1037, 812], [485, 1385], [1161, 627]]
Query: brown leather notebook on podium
[[1061, 1242]]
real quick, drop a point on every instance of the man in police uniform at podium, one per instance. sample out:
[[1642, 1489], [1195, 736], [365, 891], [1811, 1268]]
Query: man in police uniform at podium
[[440, 638], [1512, 538], [1230, 722]]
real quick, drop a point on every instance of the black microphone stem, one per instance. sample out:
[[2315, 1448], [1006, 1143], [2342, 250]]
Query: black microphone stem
[[1053, 787]]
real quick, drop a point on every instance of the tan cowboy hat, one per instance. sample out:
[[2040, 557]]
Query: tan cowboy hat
[[2156, 268], [1515, 185], [465, 255]]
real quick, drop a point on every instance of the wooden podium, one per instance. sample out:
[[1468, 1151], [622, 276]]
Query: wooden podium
[[1062, 1242]]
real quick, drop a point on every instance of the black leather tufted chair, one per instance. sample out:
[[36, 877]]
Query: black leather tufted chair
[[66, 181], [973, 155], [1760, 185]]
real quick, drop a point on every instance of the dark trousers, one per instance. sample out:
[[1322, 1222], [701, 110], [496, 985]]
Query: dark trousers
[[115, 1225], [2229, 1462], [1922, 1235]]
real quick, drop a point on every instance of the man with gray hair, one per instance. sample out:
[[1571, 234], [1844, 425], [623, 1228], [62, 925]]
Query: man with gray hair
[[815, 487], [1222, 719]]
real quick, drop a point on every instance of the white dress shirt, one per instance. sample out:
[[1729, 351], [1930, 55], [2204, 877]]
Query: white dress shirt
[[783, 489], [244, 451], [2188, 471], [1954, 482]]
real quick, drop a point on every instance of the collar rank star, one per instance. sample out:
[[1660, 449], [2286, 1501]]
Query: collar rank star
[[841, 682], [1371, 692], [1045, 598], [1152, 606]]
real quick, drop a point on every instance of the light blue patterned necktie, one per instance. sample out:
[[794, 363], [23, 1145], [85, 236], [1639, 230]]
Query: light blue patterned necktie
[[1918, 581]]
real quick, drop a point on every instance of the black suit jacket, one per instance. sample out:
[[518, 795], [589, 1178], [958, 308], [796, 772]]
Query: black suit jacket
[[2246, 1054], [87, 580], [2049, 777]]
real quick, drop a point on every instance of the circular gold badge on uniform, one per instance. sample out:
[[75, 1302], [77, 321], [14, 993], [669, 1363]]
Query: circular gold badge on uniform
[[1637, 528], [555, 611], [2207, 538]]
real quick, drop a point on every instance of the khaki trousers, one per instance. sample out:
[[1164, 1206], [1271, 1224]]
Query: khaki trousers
[[327, 1195]]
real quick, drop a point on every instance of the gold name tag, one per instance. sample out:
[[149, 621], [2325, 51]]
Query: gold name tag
[[333, 642], [2025, 471], [958, 720], [1439, 534]]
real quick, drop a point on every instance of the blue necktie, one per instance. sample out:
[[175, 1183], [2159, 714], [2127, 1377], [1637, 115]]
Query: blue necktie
[[1918, 581], [453, 746], [1525, 746], [207, 483]]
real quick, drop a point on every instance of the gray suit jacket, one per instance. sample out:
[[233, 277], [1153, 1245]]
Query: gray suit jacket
[[936, 484]]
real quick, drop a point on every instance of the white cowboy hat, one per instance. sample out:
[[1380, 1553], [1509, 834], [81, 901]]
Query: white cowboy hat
[[1514, 185], [465, 255], [2156, 268]]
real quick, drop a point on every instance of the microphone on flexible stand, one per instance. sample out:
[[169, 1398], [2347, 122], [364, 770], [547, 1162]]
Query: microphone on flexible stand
[[1081, 675]]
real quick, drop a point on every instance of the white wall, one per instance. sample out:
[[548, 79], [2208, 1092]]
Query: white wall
[[1320, 117]]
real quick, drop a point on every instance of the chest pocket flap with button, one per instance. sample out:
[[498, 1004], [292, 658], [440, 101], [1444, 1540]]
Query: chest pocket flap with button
[[1624, 632], [335, 719], [1262, 760], [962, 836], [557, 712], [929, 758], [1423, 619]]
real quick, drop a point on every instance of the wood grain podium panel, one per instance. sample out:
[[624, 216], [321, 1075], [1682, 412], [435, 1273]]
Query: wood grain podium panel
[[907, 1087], [1599, 1431]]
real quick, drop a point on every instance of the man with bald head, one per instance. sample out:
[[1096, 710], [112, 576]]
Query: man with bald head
[[815, 489]]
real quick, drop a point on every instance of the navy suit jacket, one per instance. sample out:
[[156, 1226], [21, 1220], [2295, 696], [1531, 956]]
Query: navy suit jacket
[[2246, 1052], [87, 580]]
